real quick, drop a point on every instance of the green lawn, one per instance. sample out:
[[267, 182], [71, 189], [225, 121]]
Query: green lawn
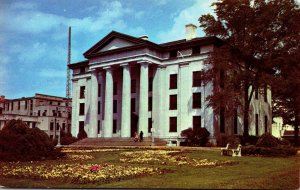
[[243, 173]]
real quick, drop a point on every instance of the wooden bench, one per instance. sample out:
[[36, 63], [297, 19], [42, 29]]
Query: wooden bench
[[231, 151]]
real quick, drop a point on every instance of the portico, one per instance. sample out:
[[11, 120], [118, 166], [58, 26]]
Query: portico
[[121, 118]]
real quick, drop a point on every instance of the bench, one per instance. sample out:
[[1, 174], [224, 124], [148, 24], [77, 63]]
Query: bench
[[231, 151]]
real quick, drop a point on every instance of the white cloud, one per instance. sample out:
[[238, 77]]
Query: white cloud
[[186, 16]]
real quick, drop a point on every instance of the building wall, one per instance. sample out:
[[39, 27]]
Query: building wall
[[38, 112]]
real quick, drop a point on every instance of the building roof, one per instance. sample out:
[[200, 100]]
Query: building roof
[[40, 96]]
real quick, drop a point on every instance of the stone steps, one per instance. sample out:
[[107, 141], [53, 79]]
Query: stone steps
[[117, 141]]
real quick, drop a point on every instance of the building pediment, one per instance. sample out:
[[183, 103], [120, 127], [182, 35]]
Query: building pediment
[[113, 41]]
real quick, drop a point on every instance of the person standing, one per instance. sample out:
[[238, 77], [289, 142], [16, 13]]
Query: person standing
[[141, 136]]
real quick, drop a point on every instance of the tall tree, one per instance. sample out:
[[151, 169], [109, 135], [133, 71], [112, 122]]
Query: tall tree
[[256, 33]]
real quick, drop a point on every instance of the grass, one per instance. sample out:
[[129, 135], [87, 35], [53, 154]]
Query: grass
[[249, 173]]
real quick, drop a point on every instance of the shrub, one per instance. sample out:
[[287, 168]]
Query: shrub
[[248, 140], [269, 151], [81, 135], [267, 140], [233, 140], [195, 137], [67, 138], [20, 143]]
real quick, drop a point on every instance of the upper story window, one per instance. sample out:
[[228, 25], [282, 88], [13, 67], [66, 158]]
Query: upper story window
[[133, 86], [196, 50], [173, 102], [173, 53], [196, 78], [82, 92], [115, 88], [81, 109], [19, 105], [197, 100], [173, 81]]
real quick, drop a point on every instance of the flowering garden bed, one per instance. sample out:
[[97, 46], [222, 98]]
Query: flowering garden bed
[[154, 168]]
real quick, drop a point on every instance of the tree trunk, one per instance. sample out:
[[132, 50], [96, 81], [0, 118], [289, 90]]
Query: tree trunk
[[296, 130], [246, 110]]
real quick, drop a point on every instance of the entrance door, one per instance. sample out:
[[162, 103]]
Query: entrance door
[[134, 124]]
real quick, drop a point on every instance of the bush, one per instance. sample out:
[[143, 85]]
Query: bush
[[233, 140], [248, 140], [81, 135], [267, 140], [67, 138], [269, 151], [20, 143], [195, 137]]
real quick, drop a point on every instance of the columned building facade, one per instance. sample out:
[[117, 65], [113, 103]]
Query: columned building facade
[[130, 84]]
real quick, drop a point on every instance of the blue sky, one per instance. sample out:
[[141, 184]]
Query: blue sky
[[34, 35]]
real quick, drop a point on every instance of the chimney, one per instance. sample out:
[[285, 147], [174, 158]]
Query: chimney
[[190, 31], [144, 37]]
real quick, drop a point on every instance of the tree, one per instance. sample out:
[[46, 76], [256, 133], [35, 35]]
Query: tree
[[286, 95], [256, 33]]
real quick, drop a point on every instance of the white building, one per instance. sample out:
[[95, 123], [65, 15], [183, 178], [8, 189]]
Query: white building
[[130, 84], [41, 111]]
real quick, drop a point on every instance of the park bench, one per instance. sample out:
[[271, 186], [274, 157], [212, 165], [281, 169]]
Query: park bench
[[227, 151]]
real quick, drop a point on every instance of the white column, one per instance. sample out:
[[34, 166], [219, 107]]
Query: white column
[[94, 106], [108, 111], [162, 110], [143, 106], [125, 117], [183, 97], [74, 124]]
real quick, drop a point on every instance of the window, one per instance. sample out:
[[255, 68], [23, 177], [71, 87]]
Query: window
[[196, 78], [114, 126], [256, 124], [173, 53], [149, 103], [235, 122], [265, 93], [50, 102], [173, 124], [149, 125], [222, 120], [266, 124], [98, 127], [33, 124], [81, 109], [57, 126], [31, 104], [197, 100], [115, 88], [99, 107], [132, 105], [19, 105], [115, 106], [150, 87], [173, 102], [58, 103], [81, 125], [99, 90], [196, 50], [196, 122], [82, 92], [0, 110], [12, 106], [53, 113], [51, 126], [133, 86], [39, 113], [173, 81], [59, 114], [45, 113]]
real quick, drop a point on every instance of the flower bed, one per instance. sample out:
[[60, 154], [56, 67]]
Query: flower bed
[[76, 150], [86, 173], [166, 157]]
